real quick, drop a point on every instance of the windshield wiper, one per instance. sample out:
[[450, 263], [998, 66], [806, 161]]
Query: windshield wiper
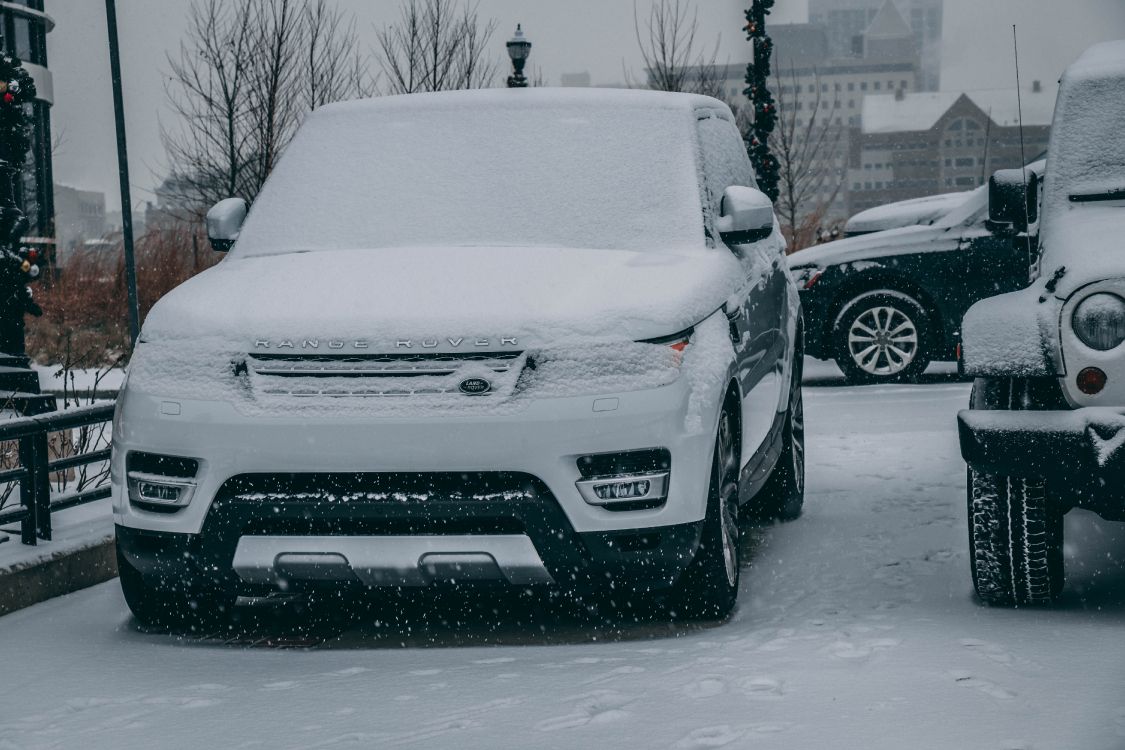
[[1109, 195]]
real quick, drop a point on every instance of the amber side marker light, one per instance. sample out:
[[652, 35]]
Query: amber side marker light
[[1091, 381]]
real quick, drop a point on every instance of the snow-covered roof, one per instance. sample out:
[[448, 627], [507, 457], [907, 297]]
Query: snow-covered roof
[[1105, 60], [920, 111], [577, 98]]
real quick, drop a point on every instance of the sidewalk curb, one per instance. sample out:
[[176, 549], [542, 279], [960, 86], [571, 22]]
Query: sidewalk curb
[[67, 572]]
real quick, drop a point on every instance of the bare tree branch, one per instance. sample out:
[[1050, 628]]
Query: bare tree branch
[[245, 76], [807, 145], [436, 45], [673, 61]]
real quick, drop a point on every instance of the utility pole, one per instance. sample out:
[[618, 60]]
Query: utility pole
[[123, 172]]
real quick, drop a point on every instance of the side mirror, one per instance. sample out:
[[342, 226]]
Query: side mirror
[[1013, 205], [746, 216], [224, 222]]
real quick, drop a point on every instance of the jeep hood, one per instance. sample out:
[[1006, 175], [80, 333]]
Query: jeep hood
[[542, 295], [875, 245]]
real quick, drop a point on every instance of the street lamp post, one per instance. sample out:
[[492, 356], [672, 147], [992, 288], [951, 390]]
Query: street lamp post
[[518, 49]]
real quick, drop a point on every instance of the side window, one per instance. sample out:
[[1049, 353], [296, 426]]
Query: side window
[[724, 162]]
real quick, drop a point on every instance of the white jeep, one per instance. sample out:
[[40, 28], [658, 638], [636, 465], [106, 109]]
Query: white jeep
[[1046, 426]]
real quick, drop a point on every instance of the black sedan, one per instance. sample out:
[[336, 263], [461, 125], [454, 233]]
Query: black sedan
[[885, 304]]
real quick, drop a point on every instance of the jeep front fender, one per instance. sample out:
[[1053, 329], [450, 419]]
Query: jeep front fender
[[1013, 335]]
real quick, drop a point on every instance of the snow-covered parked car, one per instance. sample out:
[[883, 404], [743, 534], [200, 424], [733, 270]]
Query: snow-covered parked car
[[907, 213], [885, 304], [527, 337], [1046, 425]]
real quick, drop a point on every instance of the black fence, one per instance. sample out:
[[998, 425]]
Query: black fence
[[47, 484]]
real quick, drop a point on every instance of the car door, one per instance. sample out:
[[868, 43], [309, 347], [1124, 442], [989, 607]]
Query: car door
[[757, 311]]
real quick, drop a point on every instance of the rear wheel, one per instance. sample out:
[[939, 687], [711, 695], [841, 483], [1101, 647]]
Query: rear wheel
[[882, 336], [708, 589], [176, 607], [1015, 525]]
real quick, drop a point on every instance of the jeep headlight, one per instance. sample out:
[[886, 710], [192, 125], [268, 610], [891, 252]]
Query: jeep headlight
[[1099, 321]]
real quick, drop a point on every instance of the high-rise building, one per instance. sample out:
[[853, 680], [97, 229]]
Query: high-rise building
[[845, 22], [24, 27]]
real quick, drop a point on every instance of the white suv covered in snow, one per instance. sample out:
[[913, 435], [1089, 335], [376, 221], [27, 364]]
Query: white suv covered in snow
[[534, 337], [1046, 427]]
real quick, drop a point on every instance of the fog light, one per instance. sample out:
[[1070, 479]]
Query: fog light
[[1091, 381], [624, 489], [149, 489]]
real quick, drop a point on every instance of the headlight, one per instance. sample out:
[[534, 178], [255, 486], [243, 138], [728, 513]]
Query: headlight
[[806, 276], [1099, 321]]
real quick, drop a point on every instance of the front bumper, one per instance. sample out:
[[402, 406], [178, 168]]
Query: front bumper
[[1081, 451], [257, 477]]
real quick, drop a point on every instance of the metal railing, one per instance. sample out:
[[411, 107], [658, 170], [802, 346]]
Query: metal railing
[[36, 467]]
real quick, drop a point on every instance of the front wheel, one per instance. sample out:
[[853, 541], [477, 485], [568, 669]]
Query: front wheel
[[708, 589], [882, 337], [1015, 523], [1015, 540]]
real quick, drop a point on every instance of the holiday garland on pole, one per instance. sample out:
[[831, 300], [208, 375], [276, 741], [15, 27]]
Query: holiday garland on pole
[[18, 265], [757, 90]]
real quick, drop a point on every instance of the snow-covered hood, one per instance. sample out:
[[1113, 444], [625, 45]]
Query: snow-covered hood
[[921, 211], [538, 295], [870, 246]]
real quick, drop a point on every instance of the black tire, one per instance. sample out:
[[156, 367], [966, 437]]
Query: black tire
[[782, 497], [1015, 527], [708, 589], [1015, 540], [174, 608], [900, 346]]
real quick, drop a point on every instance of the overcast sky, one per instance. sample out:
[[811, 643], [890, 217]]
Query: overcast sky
[[569, 36]]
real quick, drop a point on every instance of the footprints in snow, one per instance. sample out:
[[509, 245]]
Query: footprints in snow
[[708, 686], [597, 707], [723, 735], [966, 679], [853, 651]]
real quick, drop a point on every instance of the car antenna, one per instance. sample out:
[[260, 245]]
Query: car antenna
[[1023, 155]]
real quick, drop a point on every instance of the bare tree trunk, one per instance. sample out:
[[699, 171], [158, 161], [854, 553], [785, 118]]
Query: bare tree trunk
[[807, 148]]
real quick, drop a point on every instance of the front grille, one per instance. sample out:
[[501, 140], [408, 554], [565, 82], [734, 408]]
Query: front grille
[[396, 488], [374, 375]]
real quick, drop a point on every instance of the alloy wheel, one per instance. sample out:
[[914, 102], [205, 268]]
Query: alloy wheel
[[728, 496], [797, 426], [883, 341]]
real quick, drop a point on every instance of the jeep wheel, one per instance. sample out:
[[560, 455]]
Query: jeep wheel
[[176, 608], [708, 589], [1015, 540], [1015, 524], [881, 337]]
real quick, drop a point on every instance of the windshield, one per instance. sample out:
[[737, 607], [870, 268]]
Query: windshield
[[377, 175], [1087, 151]]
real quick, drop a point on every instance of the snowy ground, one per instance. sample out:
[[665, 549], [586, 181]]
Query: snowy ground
[[856, 629]]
